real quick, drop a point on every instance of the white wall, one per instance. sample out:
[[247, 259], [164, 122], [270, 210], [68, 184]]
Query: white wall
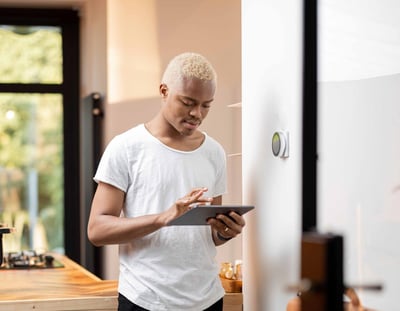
[[359, 181], [271, 65]]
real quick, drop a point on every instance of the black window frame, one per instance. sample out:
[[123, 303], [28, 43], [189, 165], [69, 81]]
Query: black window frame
[[69, 22]]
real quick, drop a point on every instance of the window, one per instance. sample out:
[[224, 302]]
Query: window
[[39, 129]]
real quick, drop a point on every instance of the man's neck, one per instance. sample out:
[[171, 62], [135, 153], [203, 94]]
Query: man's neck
[[172, 138]]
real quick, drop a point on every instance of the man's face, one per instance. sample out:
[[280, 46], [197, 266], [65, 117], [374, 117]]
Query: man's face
[[186, 104]]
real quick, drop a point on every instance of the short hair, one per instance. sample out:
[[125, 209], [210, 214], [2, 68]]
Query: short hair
[[188, 65]]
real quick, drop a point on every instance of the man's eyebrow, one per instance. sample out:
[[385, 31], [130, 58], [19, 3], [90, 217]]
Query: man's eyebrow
[[195, 100]]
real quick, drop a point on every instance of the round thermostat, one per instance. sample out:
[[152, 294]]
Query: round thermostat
[[280, 144]]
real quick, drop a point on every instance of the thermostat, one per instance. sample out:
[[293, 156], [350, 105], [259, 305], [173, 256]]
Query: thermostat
[[280, 144]]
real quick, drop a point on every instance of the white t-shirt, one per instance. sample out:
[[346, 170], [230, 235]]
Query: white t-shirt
[[173, 268]]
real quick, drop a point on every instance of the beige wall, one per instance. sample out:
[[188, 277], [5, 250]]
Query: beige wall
[[144, 35]]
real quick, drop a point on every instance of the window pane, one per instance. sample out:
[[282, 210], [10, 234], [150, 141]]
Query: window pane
[[30, 54], [31, 171]]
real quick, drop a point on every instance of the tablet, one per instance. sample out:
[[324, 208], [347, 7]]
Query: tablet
[[198, 215]]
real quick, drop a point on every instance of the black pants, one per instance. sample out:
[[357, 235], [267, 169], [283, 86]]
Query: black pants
[[126, 305]]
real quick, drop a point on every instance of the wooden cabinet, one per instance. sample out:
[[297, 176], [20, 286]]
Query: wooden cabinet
[[233, 302], [68, 288]]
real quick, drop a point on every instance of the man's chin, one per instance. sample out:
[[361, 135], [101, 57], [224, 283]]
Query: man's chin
[[187, 132]]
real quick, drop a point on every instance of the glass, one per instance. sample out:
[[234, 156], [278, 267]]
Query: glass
[[31, 171], [33, 54], [359, 145]]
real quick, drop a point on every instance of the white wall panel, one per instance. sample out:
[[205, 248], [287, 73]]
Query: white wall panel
[[271, 90]]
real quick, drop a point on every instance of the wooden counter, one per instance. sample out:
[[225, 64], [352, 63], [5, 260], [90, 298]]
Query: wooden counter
[[68, 288]]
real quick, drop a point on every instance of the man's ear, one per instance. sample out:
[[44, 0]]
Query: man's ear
[[163, 90]]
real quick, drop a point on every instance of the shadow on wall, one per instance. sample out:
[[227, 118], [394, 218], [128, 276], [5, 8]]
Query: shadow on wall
[[126, 114]]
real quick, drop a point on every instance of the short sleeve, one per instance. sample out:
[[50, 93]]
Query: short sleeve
[[113, 165]]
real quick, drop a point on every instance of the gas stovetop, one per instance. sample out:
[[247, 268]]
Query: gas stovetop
[[29, 259]]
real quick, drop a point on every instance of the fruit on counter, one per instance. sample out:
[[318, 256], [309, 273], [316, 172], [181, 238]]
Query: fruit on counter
[[226, 270]]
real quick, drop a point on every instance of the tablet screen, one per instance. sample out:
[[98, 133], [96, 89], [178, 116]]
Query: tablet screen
[[200, 214]]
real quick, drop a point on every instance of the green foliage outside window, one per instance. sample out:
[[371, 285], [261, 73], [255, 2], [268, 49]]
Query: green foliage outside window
[[30, 56], [31, 142]]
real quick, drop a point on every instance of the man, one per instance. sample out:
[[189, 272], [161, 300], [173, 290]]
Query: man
[[154, 173]]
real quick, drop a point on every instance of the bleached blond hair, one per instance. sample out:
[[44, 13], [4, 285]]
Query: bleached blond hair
[[188, 65]]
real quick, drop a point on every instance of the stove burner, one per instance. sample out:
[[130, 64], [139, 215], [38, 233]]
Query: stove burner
[[29, 259]]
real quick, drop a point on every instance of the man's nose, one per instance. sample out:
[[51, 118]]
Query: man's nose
[[195, 111]]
